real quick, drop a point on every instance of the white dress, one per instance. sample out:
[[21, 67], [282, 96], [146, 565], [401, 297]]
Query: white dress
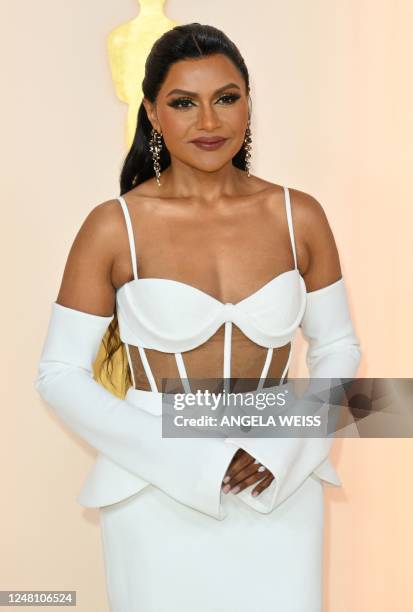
[[172, 540]]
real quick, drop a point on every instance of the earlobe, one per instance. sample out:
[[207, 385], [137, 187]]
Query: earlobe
[[151, 115]]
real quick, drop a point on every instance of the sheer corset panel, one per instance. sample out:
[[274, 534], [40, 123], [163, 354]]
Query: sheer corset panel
[[248, 361], [173, 330]]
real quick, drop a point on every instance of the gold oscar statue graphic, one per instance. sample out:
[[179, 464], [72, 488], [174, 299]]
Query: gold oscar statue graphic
[[129, 45]]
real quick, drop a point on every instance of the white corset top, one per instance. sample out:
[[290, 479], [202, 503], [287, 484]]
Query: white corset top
[[174, 317]]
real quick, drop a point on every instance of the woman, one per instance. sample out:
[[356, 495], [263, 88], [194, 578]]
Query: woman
[[207, 271]]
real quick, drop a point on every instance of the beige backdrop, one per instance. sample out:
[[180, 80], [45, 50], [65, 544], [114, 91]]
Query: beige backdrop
[[331, 116]]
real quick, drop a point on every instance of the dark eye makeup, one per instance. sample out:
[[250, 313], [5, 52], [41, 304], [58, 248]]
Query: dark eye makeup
[[182, 102]]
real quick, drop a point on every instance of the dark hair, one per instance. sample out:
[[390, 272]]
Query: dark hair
[[182, 42]]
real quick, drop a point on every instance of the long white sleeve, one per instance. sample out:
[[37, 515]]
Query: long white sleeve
[[333, 352], [189, 470], [333, 347]]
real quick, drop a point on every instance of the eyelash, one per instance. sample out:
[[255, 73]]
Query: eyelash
[[176, 103]]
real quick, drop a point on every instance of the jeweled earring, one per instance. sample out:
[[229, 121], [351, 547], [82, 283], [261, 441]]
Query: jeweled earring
[[248, 147], [155, 147]]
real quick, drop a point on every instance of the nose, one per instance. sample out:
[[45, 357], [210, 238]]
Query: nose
[[208, 119]]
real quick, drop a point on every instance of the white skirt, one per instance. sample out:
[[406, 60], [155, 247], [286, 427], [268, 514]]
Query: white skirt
[[163, 556]]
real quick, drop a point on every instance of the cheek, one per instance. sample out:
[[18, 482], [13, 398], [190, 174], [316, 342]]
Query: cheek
[[236, 124], [174, 123], [239, 118]]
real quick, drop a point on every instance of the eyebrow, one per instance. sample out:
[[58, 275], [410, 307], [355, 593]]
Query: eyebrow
[[195, 95]]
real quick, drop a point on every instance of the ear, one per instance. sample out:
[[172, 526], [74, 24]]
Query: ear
[[150, 111]]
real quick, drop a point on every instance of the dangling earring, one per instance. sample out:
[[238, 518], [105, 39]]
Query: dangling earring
[[155, 147], [248, 147]]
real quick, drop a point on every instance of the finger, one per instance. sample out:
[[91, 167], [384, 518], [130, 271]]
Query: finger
[[252, 468], [240, 460], [262, 485], [247, 482], [235, 486]]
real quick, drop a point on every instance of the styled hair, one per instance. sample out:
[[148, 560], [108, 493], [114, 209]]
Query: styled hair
[[189, 41]]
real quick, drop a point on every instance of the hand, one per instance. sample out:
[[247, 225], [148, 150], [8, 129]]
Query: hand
[[243, 471]]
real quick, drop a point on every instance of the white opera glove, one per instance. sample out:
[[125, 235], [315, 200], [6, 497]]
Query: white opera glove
[[333, 352], [189, 471]]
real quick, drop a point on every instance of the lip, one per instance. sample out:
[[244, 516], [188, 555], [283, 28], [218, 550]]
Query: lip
[[209, 144]]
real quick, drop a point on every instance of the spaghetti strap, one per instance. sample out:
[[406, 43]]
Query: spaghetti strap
[[290, 222], [130, 235]]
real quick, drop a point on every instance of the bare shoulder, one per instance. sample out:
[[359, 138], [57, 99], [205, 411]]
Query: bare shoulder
[[103, 222], [315, 240], [309, 215], [102, 233], [86, 284]]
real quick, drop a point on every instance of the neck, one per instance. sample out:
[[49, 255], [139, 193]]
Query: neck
[[182, 181]]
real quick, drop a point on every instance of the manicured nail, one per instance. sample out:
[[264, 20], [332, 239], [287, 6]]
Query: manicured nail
[[226, 488], [261, 468], [254, 493], [226, 479], [235, 489]]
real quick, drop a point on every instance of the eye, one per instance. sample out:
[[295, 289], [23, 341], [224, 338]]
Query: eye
[[187, 102], [231, 98], [180, 103]]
